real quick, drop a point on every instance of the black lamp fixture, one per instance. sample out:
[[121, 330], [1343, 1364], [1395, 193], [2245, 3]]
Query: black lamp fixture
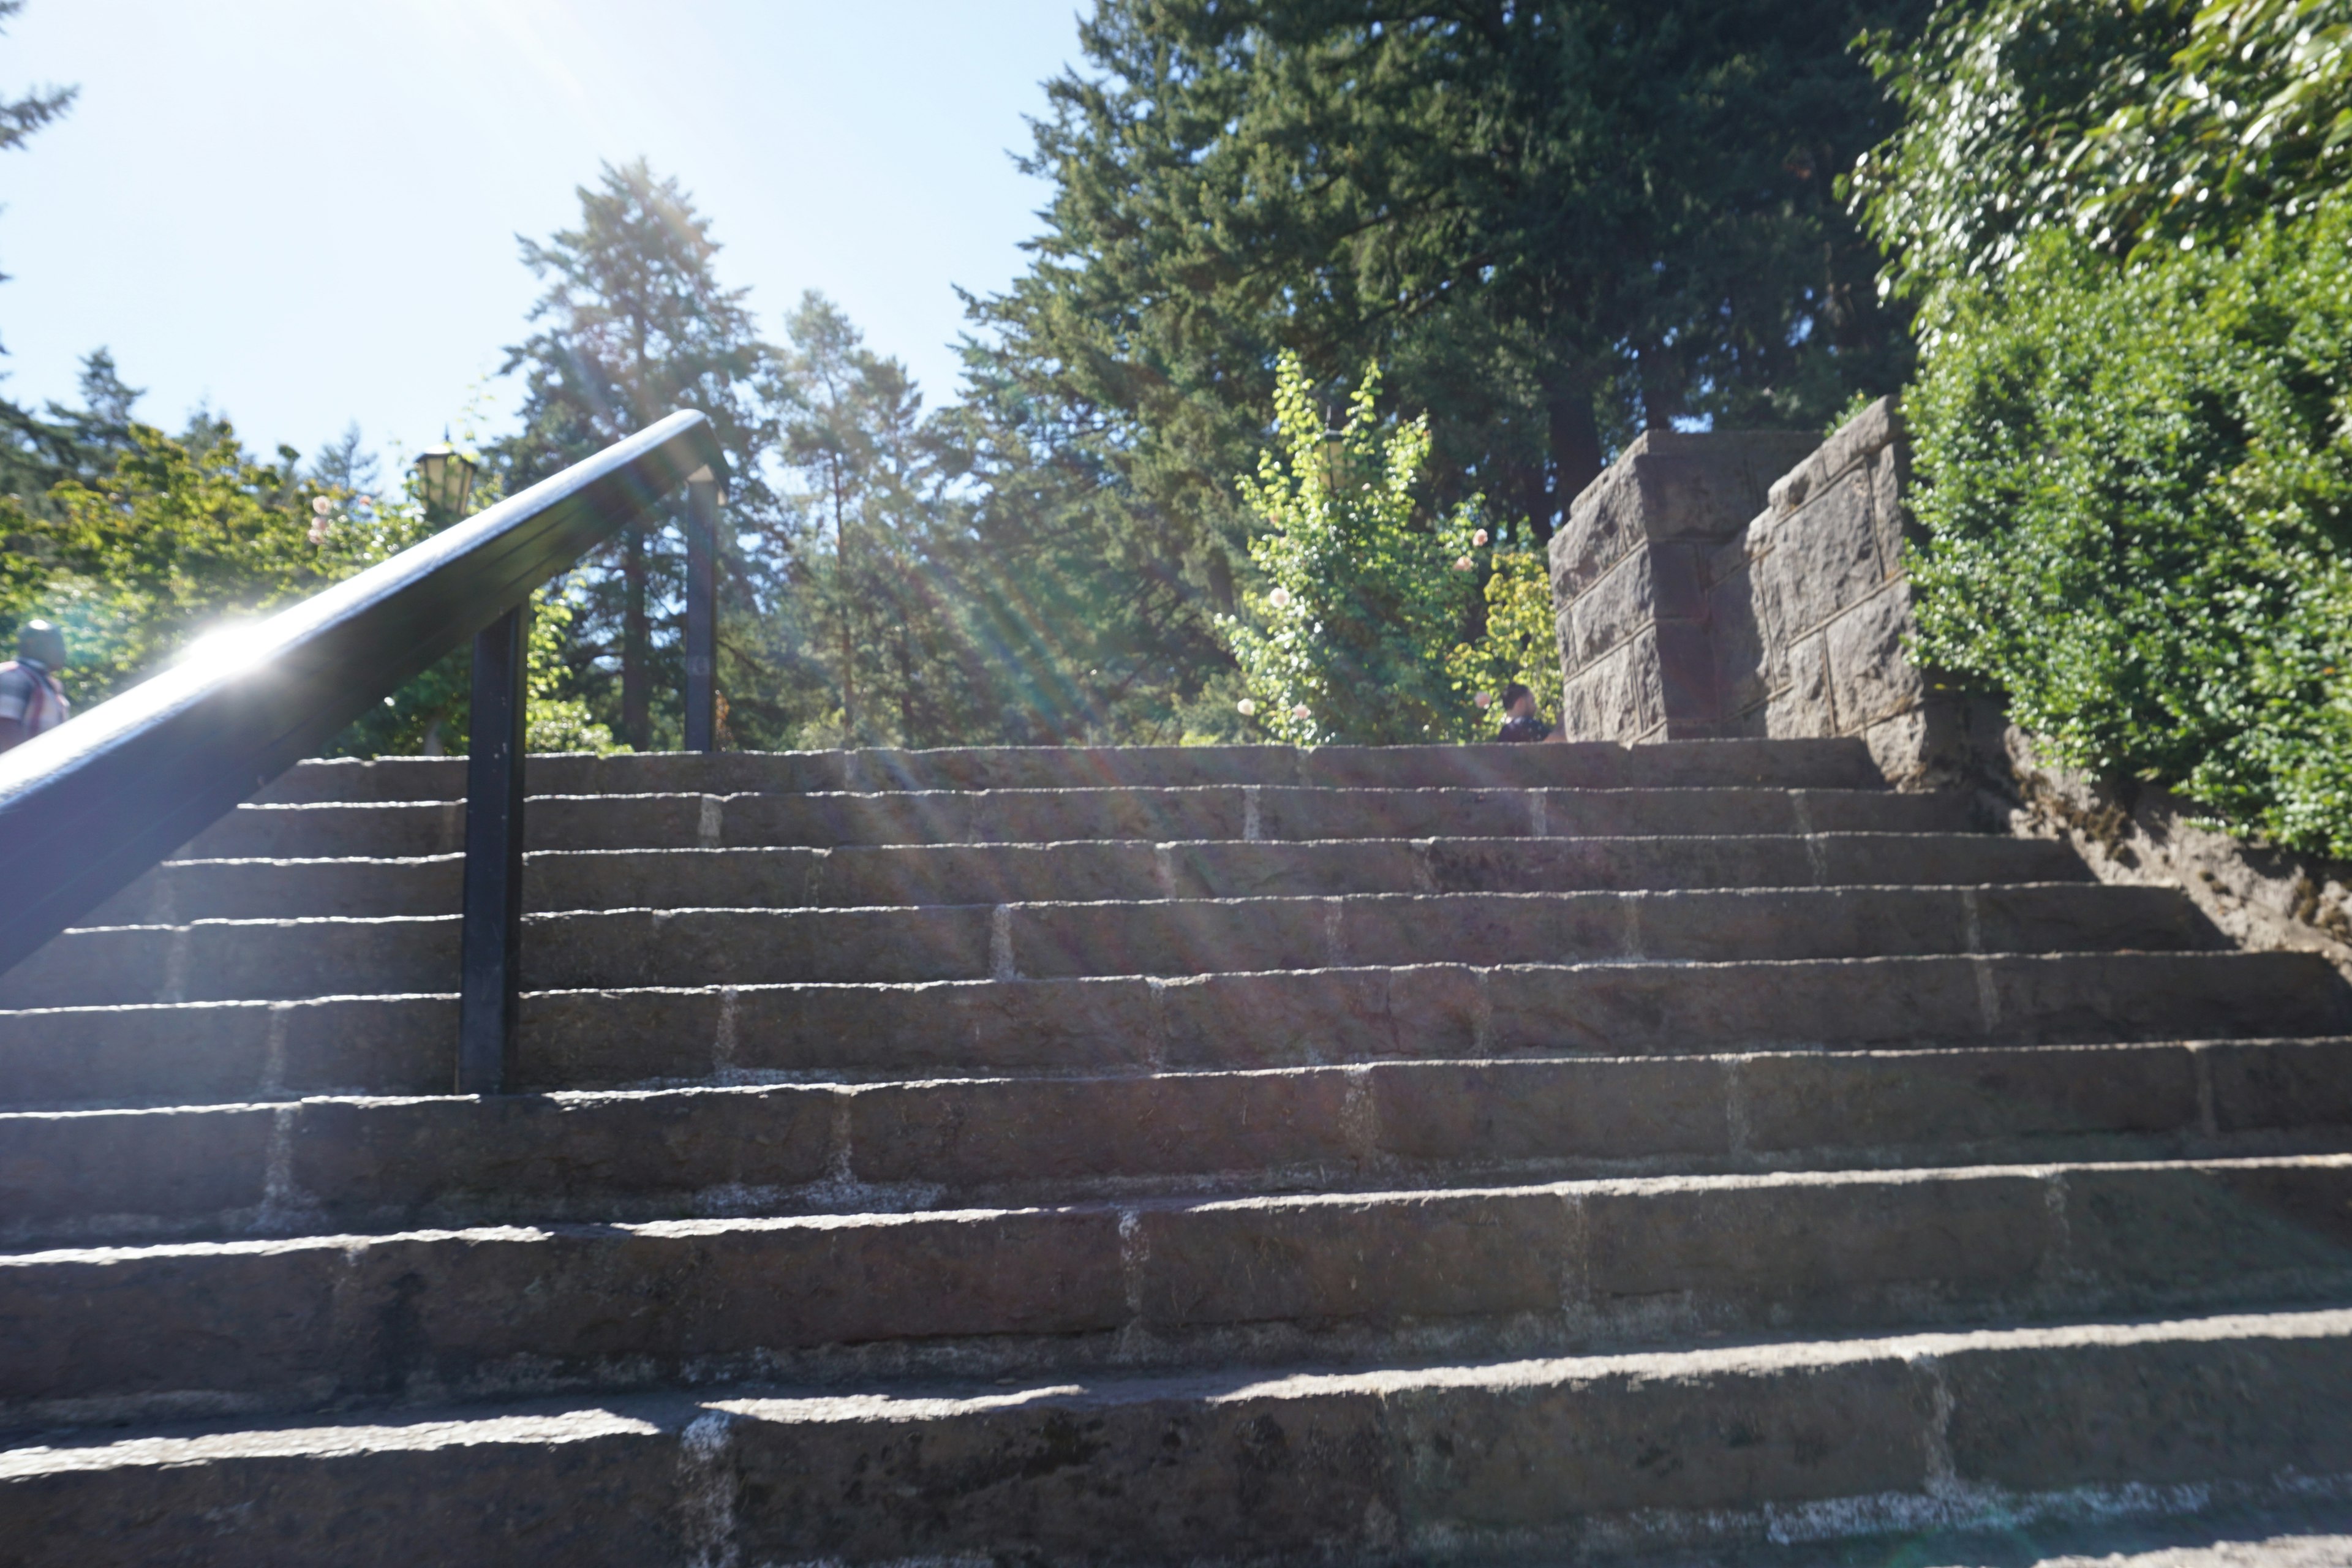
[[447, 477]]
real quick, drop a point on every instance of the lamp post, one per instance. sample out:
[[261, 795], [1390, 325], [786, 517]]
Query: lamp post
[[446, 478]]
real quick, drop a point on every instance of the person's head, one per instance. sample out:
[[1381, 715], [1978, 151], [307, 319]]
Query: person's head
[[40, 642], [1518, 702]]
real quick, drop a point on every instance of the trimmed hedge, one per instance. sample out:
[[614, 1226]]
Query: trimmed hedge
[[2140, 513]]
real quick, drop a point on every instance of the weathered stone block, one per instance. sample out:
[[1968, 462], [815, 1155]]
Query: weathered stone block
[[1871, 677], [1616, 698], [1922, 747], [1616, 608], [1890, 481], [1824, 557], [1804, 707], [1685, 673], [1748, 664], [1855, 442]]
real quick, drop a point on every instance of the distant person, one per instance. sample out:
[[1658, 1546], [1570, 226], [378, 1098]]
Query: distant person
[[1520, 721], [31, 700]]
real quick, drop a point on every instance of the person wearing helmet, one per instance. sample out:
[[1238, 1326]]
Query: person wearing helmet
[[31, 699]]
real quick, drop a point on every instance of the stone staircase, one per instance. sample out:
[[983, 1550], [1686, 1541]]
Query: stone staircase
[[1491, 1154]]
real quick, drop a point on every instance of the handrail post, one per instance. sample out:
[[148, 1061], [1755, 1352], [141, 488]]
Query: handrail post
[[490, 973], [701, 610]]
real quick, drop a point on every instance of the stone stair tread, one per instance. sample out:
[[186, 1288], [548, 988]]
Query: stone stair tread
[[300, 1322], [290, 958], [564, 881], [150, 1052], [396, 1161], [1841, 762], [1248, 812], [1582, 1456]]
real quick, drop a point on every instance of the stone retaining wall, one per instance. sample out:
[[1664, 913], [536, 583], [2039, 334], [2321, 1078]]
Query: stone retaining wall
[[1633, 572], [1678, 621]]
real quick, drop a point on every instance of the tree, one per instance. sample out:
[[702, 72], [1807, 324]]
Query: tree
[[872, 499], [345, 463], [634, 325], [2160, 124], [1347, 641], [174, 542], [1551, 221]]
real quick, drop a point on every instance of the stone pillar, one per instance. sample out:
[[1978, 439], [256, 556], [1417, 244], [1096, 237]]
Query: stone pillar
[[1812, 609], [1632, 574]]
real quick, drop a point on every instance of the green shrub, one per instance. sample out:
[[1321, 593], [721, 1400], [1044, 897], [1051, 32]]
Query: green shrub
[[2139, 511], [1346, 638]]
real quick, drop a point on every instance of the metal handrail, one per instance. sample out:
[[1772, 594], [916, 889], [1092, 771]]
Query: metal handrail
[[88, 806]]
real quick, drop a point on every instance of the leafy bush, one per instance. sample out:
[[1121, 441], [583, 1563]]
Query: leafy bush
[[182, 540], [2140, 508], [1370, 626], [2157, 125]]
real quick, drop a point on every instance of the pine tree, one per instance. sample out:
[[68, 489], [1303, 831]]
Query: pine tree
[[872, 496], [634, 325]]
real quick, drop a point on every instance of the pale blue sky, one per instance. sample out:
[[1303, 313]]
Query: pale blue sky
[[304, 211]]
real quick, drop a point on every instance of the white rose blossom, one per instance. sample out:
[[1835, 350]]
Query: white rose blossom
[[1247, 707]]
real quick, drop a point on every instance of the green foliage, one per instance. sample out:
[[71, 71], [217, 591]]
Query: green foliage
[[180, 541], [2141, 512], [882, 622], [635, 324], [1520, 641], [2151, 124], [1348, 639], [1552, 225], [173, 543]]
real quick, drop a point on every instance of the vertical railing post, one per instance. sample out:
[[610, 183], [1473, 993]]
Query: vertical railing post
[[701, 611], [490, 981]]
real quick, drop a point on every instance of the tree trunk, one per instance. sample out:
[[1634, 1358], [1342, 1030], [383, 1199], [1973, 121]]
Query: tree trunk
[[636, 645], [1662, 387], [848, 642], [1575, 448]]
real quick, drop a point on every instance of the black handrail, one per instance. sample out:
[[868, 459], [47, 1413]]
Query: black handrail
[[87, 807]]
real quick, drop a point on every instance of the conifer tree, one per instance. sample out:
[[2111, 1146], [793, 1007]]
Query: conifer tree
[[633, 326]]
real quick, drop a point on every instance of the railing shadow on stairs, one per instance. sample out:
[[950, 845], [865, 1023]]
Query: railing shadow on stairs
[[89, 807]]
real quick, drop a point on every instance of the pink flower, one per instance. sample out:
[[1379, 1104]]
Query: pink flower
[[1486, 699], [1466, 564], [321, 506], [318, 532], [1479, 538], [1302, 712], [1279, 598]]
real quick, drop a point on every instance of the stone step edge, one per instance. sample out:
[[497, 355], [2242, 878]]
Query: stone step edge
[[692, 1089], [1425, 841], [2119, 891], [2045, 1171], [1596, 1454], [271, 1166]]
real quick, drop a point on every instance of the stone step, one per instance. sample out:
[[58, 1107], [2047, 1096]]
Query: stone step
[[146, 1332], [242, 960], [213, 1052], [358, 1163], [1817, 764], [678, 821], [1718, 1452], [867, 876]]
